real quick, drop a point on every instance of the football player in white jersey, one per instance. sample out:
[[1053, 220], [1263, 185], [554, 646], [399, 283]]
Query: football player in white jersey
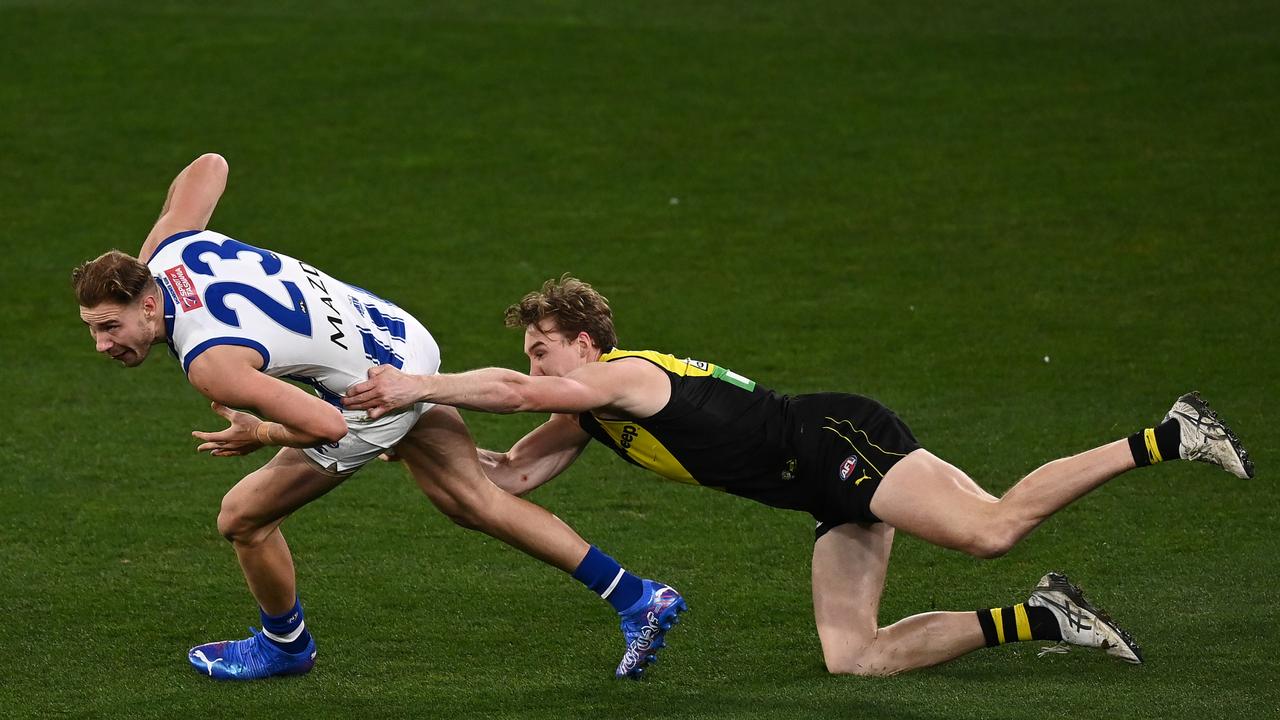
[[241, 320]]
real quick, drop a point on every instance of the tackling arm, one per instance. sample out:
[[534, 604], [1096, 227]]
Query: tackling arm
[[192, 197], [227, 375], [636, 389], [539, 456]]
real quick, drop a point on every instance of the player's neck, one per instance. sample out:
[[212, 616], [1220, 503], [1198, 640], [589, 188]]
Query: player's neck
[[161, 330], [158, 324]]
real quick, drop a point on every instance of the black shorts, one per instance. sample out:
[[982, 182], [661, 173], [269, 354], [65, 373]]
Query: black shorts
[[843, 445]]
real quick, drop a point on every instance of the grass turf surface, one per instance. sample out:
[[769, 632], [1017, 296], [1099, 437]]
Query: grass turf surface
[[917, 203]]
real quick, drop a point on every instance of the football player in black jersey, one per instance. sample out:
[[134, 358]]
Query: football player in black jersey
[[845, 459]]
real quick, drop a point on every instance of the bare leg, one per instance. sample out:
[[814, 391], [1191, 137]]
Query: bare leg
[[442, 457], [938, 502], [250, 518], [849, 565], [268, 571]]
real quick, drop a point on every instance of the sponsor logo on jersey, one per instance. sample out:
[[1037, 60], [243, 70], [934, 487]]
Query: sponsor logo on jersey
[[629, 433], [183, 289], [848, 466]]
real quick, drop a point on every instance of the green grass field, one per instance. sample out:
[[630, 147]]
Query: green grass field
[[919, 202]]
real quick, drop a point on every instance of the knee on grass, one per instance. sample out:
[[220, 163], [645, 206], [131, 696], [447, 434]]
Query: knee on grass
[[993, 537], [863, 662], [991, 544]]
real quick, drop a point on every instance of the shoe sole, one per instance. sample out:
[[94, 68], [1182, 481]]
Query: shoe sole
[[206, 671], [1059, 582], [291, 672], [1202, 406], [667, 619]]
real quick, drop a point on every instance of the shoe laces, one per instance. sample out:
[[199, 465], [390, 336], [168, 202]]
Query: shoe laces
[[253, 655], [1058, 648]]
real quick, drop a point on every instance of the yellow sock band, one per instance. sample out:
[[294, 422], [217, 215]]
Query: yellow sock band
[[1153, 450], [1024, 624]]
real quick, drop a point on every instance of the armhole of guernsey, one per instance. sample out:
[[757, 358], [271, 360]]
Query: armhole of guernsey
[[196, 351]]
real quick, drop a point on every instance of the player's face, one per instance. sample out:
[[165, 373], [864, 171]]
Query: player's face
[[122, 332], [552, 353]]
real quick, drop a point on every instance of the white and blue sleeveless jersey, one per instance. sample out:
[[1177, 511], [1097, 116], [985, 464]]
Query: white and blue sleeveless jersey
[[307, 325]]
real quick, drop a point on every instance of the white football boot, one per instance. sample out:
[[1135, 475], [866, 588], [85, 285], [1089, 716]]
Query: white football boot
[[1080, 622], [1206, 438]]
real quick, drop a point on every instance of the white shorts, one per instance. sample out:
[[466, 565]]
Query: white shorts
[[365, 439]]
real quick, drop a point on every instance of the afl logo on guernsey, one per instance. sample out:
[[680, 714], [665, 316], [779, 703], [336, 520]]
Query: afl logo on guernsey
[[184, 291], [848, 466]]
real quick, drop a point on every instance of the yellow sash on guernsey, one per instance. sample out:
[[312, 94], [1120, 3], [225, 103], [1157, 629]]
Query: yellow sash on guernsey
[[639, 444], [645, 449]]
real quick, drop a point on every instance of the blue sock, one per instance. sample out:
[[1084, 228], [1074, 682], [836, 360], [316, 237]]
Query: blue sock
[[288, 631], [607, 579]]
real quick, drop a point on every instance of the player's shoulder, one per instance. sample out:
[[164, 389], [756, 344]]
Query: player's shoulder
[[172, 249], [616, 360], [212, 255], [683, 367], [624, 375]]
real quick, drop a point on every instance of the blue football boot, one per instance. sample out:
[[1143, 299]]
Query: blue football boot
[[253, 658], [645, 627]]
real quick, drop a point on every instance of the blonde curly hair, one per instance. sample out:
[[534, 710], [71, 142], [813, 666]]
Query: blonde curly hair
[[573, 305]]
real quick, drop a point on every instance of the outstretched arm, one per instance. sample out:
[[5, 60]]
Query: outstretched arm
[[290, 416], [539, 456], [192, 197], [637, 389]]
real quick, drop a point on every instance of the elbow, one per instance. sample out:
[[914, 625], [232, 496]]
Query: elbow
[[210, 167], [509, 476], [515, 396], [333, 429], [213, 162], [516, 404], [524, 394]]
